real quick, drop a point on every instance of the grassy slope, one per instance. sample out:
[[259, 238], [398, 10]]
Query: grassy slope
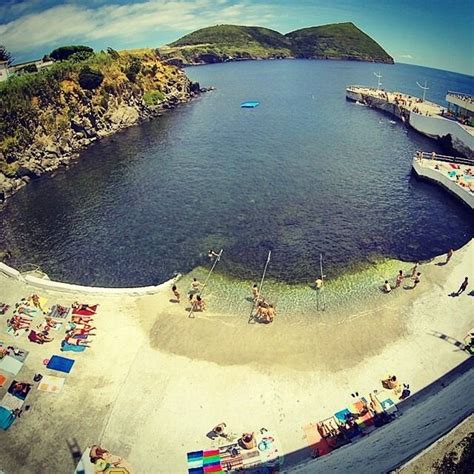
[[338, 40], [343, 40]]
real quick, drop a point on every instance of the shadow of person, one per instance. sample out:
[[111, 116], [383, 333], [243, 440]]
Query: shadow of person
[[471, 293], [453, 294], [406, 287], [249, 299], [212, 435], [173, 300], [440, 264]]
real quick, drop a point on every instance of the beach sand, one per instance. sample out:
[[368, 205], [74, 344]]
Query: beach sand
[[155, 381]]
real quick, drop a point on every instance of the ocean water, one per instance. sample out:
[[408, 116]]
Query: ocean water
[[306, 173]]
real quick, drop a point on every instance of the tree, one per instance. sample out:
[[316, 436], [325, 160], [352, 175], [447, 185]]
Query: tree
[[62, 53], [90, 79], [5, 55]]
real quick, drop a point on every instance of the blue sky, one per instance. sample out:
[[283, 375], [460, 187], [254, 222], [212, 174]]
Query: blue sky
[[433, 33]]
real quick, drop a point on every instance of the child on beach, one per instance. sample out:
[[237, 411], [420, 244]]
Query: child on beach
[[176, 293], [386, 287], [414, 269], [417, 279]]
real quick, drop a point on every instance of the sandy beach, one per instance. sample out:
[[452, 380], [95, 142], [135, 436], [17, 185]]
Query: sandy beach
[[155, 382]]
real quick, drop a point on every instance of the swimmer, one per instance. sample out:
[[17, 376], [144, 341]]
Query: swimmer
[[319, 282]]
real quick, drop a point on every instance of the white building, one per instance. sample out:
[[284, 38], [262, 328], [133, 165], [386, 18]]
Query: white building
[[4, 70]]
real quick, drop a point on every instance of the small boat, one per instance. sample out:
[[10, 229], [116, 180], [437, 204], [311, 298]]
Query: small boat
[[250, 104]]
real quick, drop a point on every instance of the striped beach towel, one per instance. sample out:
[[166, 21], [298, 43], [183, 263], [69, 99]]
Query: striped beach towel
[[231, 457], [201, 462]]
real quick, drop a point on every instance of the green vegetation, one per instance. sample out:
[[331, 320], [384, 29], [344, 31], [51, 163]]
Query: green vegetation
[[64, 52], [229, 42], [342, 40], [38, 108], [90, 79], [5, 55], [153, 97]]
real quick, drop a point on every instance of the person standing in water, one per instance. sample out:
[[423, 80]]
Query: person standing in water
[[399, 279], [414, 269], [318, 282], [255, 292]]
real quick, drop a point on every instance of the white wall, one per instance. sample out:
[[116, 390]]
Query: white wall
[[440, 127], [444, 181]]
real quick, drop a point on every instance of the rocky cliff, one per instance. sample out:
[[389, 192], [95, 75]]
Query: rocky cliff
[[47, 117]]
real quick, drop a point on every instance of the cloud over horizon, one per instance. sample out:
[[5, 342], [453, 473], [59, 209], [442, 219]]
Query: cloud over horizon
[[98, 20]]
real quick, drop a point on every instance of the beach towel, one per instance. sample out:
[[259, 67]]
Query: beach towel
[[365, 422], [59, 312], [85, 310], [61, 364], [16, 352], [10, 364], [6, 418], [65, 347], [3, 379], [11, 402], [21, 396], [231, 457], [204, 461], [315, 440], [386, 401], [50, 383]]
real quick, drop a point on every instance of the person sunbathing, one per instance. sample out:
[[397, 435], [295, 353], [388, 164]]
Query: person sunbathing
[[21, 389], [248, 440], [81, 319], [47, 324], [75, 342], [391, 383], [80, 332], [17, 323], [97, 452], [39, 337], [84, 307]]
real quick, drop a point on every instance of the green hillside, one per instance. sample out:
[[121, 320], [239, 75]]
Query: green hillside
[[231, 43], [338, 41]]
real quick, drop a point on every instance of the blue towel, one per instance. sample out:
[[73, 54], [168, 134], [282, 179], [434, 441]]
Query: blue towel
[[61, 364], [6, 418], [342, 415], [70, 347]]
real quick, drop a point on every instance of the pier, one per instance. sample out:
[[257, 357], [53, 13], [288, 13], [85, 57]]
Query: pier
[[453, 173], [452, 126]]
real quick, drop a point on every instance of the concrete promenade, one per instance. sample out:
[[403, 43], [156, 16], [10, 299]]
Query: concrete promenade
[[155, 382]]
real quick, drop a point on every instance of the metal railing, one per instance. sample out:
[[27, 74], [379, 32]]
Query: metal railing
[[446, 158]]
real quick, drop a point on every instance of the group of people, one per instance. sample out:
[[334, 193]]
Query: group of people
[[265, 311], [194, 295], [416, 277]]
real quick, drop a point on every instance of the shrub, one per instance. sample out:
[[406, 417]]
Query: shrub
[[134, 69], [113, 54], [153, 97], [90, 79], [31, 68], [62, 53], [80, 56]]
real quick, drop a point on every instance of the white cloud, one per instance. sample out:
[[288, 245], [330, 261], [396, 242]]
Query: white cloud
[[405, 56], [75, 22]]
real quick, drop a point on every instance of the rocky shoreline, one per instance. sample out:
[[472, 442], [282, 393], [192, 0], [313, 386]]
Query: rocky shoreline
[[93, 119]]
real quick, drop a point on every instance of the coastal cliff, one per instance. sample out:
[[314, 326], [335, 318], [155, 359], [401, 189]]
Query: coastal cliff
[[223, 43], [47, 117]]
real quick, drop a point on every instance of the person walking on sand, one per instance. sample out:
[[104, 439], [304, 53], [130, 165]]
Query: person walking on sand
[[449, 255], [176, 293], [414, 269], [463, 287], [417, 279], [399, 279]]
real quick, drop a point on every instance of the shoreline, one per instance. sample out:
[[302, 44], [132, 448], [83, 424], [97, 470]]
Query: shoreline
[[185, 375]]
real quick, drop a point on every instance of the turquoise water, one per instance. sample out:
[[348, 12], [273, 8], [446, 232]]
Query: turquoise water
[[305, 173]]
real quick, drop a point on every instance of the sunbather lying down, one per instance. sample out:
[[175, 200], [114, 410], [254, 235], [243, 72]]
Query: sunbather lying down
[[84, 307], [76, 342], [39, 337]]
